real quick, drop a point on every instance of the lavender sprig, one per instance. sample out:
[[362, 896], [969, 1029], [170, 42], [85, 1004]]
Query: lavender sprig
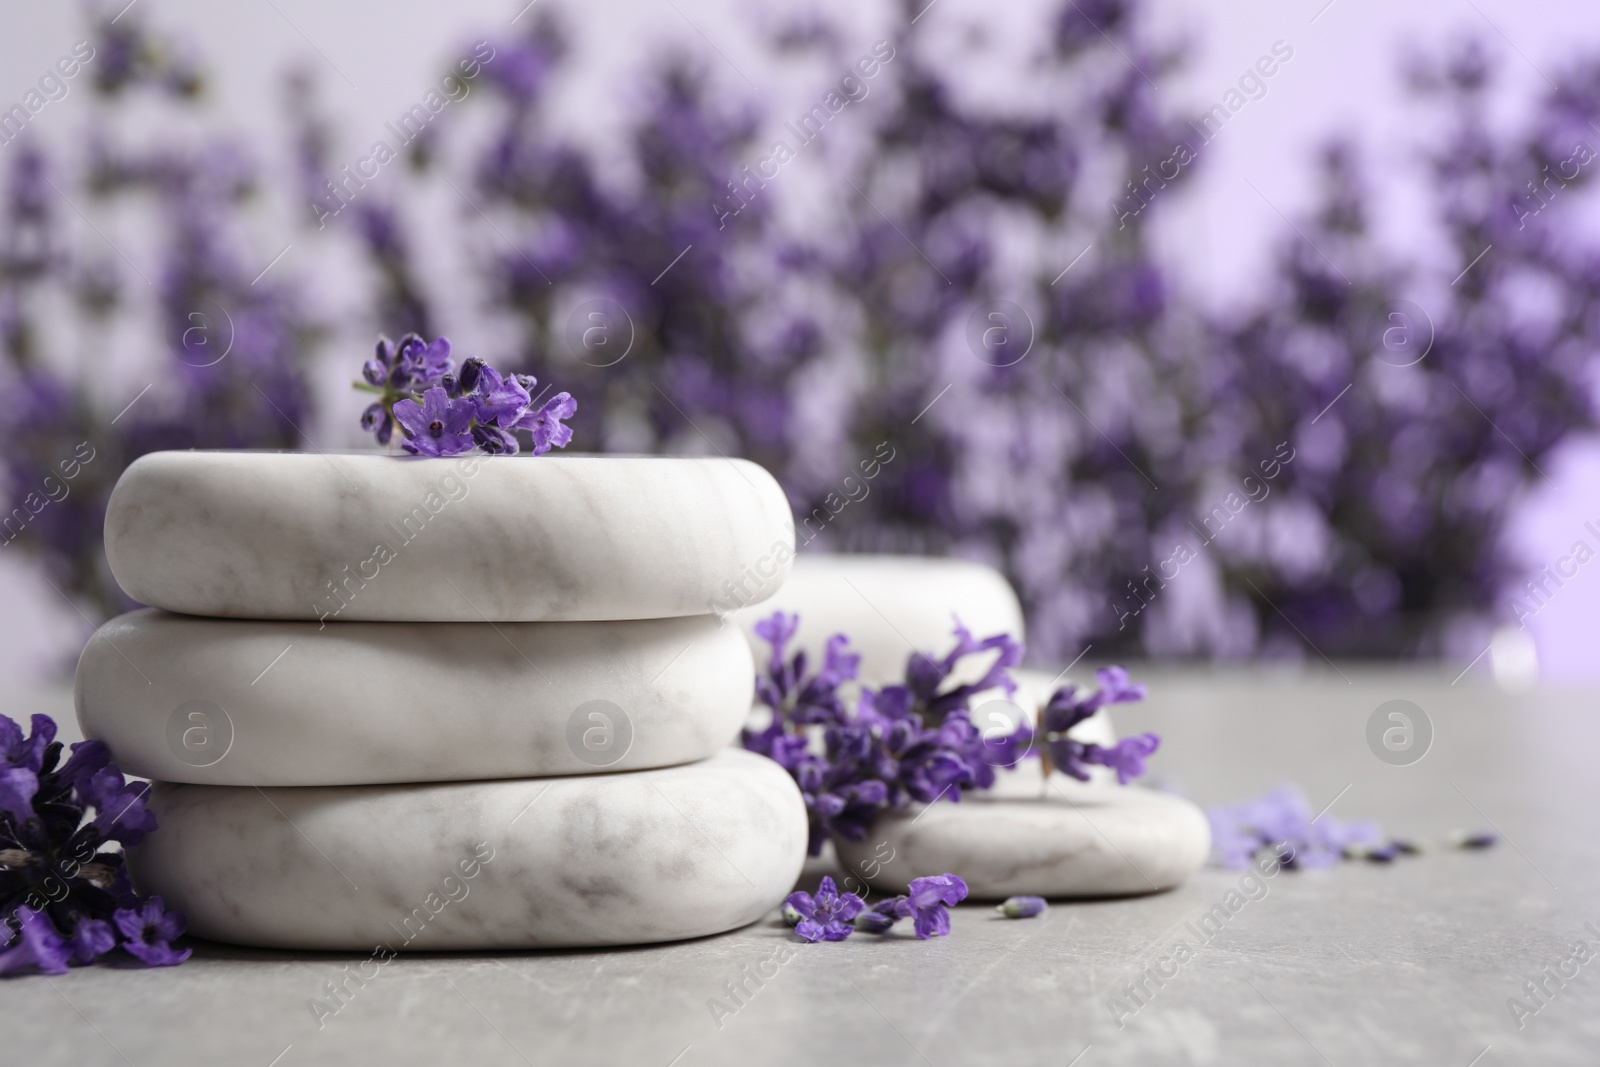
[[1055, 746], [443, 412], [64, 897], [833, 916], [913, 740]]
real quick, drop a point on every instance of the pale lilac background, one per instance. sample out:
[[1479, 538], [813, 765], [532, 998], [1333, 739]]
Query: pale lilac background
[[1342, 77]]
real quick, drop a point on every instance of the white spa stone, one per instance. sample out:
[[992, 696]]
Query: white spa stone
[[1078, 840], [598, 860], [891, 606], [237, 702], [364, 536]]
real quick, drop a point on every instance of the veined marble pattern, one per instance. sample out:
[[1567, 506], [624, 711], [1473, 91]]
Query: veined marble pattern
[[532, 863], [236, 702], [1070, 840], [891, 606], [364, 536]]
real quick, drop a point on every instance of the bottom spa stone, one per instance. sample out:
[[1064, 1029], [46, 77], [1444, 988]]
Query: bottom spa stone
[[1082, 840], [594, 860]]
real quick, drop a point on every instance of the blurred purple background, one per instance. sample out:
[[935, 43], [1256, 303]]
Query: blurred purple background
[[1223, 240]]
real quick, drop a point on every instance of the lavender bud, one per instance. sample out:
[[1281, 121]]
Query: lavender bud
[[374, 371], [1022, 907], [874, 922], [373, 417], [471, 370]]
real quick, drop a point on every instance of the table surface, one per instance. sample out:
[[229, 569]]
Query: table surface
[[1362, 964]]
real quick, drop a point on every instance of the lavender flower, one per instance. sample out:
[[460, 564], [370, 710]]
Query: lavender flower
[[64, 897], [930, 899], [912, 741], [881, 917], [439, 426], [1021, 907], [148, 931], [442, 412], [36, 946], [827, 916], [1065, 709], [1281, 820]]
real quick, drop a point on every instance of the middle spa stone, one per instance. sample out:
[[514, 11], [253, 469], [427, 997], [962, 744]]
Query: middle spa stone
[[233, 702]]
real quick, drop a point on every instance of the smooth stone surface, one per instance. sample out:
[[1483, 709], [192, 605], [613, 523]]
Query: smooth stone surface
[[234, 702], [365, 536], [1079, 840], [600, 860], [891, 606]]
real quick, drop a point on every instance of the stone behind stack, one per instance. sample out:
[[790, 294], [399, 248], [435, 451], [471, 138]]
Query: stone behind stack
[[394, 725]]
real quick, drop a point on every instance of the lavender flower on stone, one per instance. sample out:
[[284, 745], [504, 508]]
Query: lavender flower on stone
[[1058, 750], [904, 742], [65, 897], [443, 412]]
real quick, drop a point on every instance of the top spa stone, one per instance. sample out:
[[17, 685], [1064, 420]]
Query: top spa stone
[[367, 537]]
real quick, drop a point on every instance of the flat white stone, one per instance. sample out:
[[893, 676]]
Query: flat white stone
[[236, 702], [891, 606], [364, 537], [533, 863], [1078, 840]]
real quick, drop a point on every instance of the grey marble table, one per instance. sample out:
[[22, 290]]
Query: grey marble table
[[1363, 964]]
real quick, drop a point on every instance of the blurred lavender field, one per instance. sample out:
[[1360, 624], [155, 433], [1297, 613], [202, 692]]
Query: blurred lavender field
[[982, 256]]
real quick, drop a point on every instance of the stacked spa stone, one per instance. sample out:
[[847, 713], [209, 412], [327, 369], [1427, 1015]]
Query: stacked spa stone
[[448, 703]]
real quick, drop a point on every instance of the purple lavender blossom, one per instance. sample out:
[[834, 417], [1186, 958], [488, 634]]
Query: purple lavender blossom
[[148, 932], [826, 916], [35, 945], [444, 412], [883, 754], [930, 899], [1065, 709], [1126, 757], [439, 426], [1281, 820], [64, 896]]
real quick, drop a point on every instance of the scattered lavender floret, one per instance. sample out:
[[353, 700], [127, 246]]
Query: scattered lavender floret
[[1021, 907], [927, 904], [930, 899], [1281, 819], [826, 916]]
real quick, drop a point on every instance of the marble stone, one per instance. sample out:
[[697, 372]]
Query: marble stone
[[371, 537], [613, 859], [1075, 840], [891, 606], [243, 702]]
